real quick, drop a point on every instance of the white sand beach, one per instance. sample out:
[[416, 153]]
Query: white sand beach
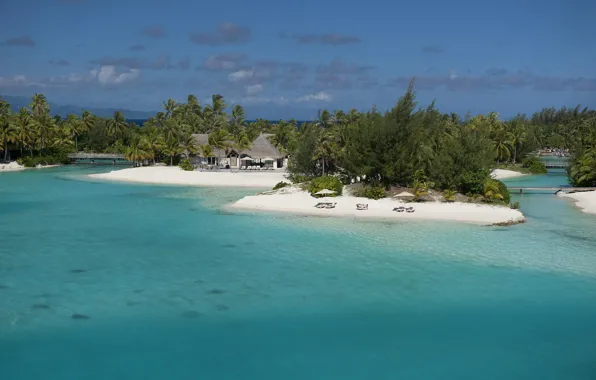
[[504, 174], [14, 167], [294, 200], [586, 200], [169, 175]]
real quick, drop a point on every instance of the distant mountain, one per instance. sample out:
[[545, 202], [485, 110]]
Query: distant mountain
[[17, 102]]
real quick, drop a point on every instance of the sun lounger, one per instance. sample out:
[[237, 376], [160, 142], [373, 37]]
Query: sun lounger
[[400, 209], [410, 209], [325, 205], [362, 206]]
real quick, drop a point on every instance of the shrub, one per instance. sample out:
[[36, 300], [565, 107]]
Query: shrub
[[449, 195], [186, 165], [371, 192], [326, 182], [299, 178], [280, 185], [30, 162], [20, 161], [504, 191], [473, 182], [534, 165], [515, 205]]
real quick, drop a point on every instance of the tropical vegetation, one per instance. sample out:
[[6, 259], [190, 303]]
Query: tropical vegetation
[[420, 148]]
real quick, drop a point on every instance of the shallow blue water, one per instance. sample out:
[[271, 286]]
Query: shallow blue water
[[175, 288]]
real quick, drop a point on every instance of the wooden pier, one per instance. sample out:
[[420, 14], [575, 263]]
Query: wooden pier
[[98, 159], [554, 190], [556, 165]]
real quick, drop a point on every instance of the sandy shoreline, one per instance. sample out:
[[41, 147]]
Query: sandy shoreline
[[586, 201], [293, 200], [168, 175], [504, 174]]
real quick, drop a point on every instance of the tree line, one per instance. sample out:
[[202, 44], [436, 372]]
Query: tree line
[[405, 145]]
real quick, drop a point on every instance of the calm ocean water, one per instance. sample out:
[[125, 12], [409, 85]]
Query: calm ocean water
[[174, 288]]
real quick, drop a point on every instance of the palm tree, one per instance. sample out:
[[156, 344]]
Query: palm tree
[[25, 126], [170, 107], [243, 142], [153, 141], [172, 148], [237, 120], [8, 132], [116, 126], [207, 150], [449, 195], [189, 144], [324, 118], [219, 140], [516, 137], [76, 127], [62, 136], [40, 110], [492, 191], [135, 152], [420, 189], [501, 145]]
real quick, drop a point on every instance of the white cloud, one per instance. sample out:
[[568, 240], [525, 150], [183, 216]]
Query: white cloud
[[107, 75], [254, 89], [452, 74], [320, 96], [240, 75], [263, 100]]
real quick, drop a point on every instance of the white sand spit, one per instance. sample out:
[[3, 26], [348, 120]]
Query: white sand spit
[[294, 200], [504, 174], [11, 167], [14, 166], [175, 176], [586, 200]]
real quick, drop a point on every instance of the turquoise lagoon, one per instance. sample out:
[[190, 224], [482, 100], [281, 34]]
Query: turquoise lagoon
[[175, 288]]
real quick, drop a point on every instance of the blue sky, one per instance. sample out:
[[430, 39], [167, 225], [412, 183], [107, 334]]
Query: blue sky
[[289, 59]]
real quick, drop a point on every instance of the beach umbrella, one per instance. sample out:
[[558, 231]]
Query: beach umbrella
[[325, 192], [246, 159], [268, 159], [404, 194]]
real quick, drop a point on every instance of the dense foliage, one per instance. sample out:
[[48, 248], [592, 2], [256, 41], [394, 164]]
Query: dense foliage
[[371, 192], [534, 165], [280, 185], [382, 149], [186, 165], [326, 182]]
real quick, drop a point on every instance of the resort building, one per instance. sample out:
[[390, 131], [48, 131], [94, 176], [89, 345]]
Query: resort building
[[262, 153]]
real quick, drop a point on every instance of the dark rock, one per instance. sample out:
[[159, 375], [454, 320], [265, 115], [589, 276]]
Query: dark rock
[[3, 287], [222, 307], [40, 306], [228, 246], [80, 316], [216, 291], [191, 314], [139, 291], [78, 271]]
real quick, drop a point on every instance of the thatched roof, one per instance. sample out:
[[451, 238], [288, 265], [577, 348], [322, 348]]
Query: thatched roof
[[260, 148]]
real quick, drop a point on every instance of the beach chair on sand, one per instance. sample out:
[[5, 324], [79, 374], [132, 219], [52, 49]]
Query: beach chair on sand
[[400, 209], [362, 206], [410, 209]]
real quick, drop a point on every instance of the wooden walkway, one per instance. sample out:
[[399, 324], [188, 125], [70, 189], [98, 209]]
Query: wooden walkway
[[98, 159], [522, 190], [556, 166]]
